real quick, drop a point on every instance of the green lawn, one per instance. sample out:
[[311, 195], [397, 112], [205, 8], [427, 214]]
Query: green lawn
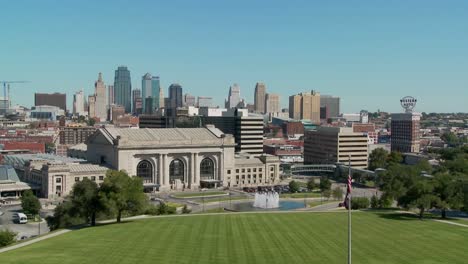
[[317, 203], [196, 194], [255, 238]]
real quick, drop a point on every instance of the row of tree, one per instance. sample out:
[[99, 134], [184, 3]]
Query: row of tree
[[117, 195], [423, 188]]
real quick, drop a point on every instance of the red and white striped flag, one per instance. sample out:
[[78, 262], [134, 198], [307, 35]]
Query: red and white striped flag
[[348, 192]]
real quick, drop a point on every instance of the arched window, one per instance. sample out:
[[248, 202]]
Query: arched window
[[207, 169], [176, 170], [145, 171]]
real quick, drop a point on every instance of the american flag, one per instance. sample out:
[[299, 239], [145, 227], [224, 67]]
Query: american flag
[[348, 192]]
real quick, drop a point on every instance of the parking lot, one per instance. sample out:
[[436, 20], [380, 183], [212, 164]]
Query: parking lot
[[27, 230]]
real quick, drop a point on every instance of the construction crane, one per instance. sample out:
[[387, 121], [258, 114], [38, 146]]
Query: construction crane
[[5, 84]]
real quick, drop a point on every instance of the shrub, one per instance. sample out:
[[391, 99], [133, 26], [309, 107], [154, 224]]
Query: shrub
[[385, 202], [359, 203], [7, 237], [152, 210], [185, 210], [171, 210], [337, 193]]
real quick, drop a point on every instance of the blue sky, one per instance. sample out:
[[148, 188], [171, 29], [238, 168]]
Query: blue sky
[[370, 53]]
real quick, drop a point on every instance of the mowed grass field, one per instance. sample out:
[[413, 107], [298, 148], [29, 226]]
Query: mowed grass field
[[255, 238]]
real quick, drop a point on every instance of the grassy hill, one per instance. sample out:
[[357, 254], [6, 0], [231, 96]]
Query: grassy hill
[[255, 238]]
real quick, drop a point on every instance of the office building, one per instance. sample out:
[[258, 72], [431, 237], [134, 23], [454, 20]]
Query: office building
[[204, 101], [91, 106], [305, 106], [175, 98], [329, 145], [332, 104], [72, 135], [272, 103], [123, 88], [405, 134], [116, 111], [100, 102], [233, 99], [259, 98], [189, 100], [110, 98], [150, 88], [55, 99], [162, 100], [137, 104], [78, 104], [45, 112]]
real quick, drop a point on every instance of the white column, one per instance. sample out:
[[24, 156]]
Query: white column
[[221, 167], [196, 168], [166, 171]]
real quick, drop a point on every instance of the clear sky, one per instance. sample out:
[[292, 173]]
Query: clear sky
[[370, 53]]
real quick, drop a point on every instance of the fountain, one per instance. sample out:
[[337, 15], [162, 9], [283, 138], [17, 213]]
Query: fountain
[[266, 200]]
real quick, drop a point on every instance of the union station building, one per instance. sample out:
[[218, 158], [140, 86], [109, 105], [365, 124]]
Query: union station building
[[180, 158]]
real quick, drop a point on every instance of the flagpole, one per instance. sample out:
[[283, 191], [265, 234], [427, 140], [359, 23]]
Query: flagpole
[[349, 211]]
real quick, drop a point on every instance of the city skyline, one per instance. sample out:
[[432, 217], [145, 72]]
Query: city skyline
[[369, 56]]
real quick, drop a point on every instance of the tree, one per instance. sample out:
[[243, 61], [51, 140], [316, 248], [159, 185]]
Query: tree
[[311, 185], [337, 193], [123, 193], [7, 237], [394, 158], [293, 186], [327, 193], [378, 159], [325, 184], [449, 191], [419, 195], [451, 139], [357, 177], [374, 202], [30, 203], [86, 201], [49, 147], [64, 217], [91, 121]]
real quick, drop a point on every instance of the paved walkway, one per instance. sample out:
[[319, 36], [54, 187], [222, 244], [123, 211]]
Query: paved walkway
[[450, 223], [35, 240]]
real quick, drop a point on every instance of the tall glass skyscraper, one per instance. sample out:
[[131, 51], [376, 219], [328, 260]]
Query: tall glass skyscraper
[[150, 86], [123, 88], [175, 95]]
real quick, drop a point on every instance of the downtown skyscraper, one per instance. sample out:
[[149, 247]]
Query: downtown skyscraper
[[123, 88], [150, 91], [233, 99], [100, 103], [259, 98]]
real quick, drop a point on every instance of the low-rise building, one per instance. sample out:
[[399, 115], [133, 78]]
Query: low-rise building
[[54, 176], [336, 145]]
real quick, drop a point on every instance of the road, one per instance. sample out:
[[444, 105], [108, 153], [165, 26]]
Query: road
[[23, 230]]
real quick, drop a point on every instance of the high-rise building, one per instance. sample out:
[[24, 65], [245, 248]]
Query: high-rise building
[[55, 99], [272, 103], [259, 98], [116, 111], [329, 145], [100, 102], [189, 100], [305, 106], [162, 102], [233, 99], [205, 101], [405, 134], [137, 104], [123, 88], [150, 88], [110, 99], [78, 104], [175, 98], [92, 106], [332, 104]]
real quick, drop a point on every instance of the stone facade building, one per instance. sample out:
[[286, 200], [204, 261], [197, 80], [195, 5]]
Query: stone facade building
[[178, 158]]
